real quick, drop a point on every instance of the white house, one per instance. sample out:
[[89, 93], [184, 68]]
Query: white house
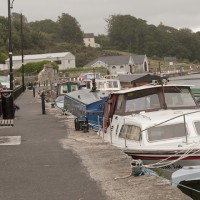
[[64, 60], [128, 64], [89, 40]]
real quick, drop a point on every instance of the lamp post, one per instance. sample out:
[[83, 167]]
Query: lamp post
[[22, 51], [10, 44]]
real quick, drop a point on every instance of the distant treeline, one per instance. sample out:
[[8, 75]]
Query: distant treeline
[[124, 33]]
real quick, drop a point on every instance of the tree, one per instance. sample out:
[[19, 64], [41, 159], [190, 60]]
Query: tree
[[124, 31], [48, 27], [3, 57], [3, 33], [70, 30]]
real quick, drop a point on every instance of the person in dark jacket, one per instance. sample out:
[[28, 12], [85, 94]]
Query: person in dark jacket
[[15, 107]]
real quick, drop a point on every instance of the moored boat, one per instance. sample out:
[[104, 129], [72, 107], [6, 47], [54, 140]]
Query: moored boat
[[157, 123]]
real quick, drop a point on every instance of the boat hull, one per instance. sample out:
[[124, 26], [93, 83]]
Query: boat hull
[[170, 162]]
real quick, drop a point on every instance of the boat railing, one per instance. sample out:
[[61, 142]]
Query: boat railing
[[182, 115]]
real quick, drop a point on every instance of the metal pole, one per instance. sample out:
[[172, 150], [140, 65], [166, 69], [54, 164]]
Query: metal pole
[[125, 133], [33, 91], [110, 131], [10, 46], [22, 51], [43, 103], [186, 135], [99, 124]]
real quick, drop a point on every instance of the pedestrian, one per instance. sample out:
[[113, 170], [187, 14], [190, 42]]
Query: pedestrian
[[15, 108]]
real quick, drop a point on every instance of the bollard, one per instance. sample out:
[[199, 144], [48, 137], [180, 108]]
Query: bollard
[[43, 103], [7, 104], [33, 91], [52, 105]]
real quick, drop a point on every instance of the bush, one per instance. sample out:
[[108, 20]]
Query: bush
[[36, 67]]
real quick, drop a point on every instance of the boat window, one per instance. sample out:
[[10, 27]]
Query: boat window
[[109, 84], [74, 88], [115, 84], [166, 132], [130, 132], [64, 89], [119, 103], [100, 85], [142, 103], [197, 126], [178, 97]]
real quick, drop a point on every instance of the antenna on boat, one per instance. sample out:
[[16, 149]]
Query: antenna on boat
[[163, 94], [94, 88]]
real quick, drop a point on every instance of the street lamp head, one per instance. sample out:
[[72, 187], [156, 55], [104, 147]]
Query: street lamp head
[[11, 5]]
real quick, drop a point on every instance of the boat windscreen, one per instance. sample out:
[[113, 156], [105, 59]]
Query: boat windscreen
[[178, 97]]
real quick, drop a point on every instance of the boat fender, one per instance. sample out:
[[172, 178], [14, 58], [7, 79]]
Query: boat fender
[[138, 169]]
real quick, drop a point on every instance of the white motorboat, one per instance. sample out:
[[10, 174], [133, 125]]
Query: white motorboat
[[159, 124]]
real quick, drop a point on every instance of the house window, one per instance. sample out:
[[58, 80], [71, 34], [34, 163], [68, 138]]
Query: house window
[[68, 61], [58, 62], [113, 67], [145, 66], [121, 67]]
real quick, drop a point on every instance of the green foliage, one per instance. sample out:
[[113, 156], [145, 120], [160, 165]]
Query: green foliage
[[130, 34], [124, 33], [3, 57], [70, 30]]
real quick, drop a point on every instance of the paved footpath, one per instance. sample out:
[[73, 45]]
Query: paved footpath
[[33, 164]]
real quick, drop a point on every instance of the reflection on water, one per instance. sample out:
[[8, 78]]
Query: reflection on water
[[193, 79]]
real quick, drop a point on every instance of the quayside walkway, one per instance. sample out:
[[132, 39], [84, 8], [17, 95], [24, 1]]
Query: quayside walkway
[[33, 164], [42, 157]]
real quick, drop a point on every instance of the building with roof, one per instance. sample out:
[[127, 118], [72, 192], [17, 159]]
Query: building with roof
[[89, 40], [126, 64], [134, 80], [64, 60]]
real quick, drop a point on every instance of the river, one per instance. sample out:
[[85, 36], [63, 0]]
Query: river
[[192, 79]]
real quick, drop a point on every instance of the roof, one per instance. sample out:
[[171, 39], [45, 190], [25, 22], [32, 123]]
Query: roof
[[138, 59], [135, 78], [118, 60], [40, 56], [111, 60], [144, 87], [87, 97], [88, 35], [127, 78]]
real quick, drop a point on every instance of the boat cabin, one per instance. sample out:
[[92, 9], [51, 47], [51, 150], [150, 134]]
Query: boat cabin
[[146, 99], [85, 103], [102, 84], [66, 87], [149, 98], [158, 124]]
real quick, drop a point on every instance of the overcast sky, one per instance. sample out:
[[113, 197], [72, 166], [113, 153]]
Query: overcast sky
[[91, 14]]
